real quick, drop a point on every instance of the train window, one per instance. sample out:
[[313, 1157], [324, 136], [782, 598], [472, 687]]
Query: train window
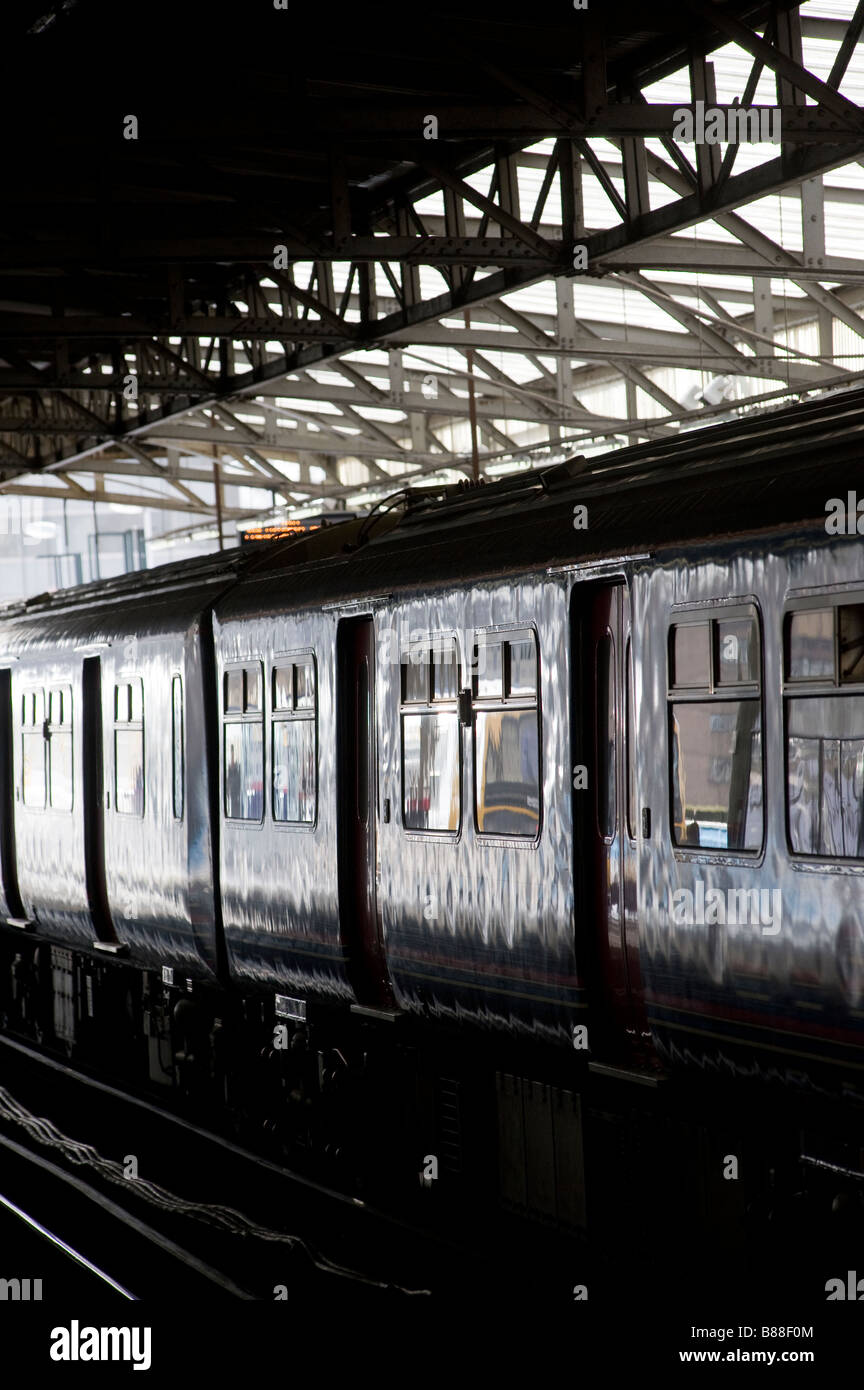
[[522, 677], [415, 675], [60, 749], [430, 771], [234, 692], [507, 737], [445, 671], [717, 774], [251, 689], [243, 744], [489, 668], [810, 643], [715, 739], [607, 762], [33, 741], [691, 655], [283, 688], [177, 746], [737, 655], [294, 736], [244, 771], [304, 684], [122, 702], [825, 775], [825, 731], [129, 748], [431, 743], [826, 644], [850, 644]]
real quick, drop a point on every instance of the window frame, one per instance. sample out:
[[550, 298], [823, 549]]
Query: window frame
[[66, 726], [177, 680], [301, 656], [815, 687], [29, 730], [428, 641], [129, 725], [715, 692], [507, 633], [243, 716]]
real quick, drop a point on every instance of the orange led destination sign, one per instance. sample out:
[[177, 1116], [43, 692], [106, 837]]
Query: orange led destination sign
[[277, 532], [283, 530]]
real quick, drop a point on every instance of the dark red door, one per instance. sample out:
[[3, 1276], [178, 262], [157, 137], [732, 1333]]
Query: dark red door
[[357, 781], [94, 800], [8, 859], [610, 827]]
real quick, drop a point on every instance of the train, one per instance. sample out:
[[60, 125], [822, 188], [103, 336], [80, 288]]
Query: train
[[503, 847]]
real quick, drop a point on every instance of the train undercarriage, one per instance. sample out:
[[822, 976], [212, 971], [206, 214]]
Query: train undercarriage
[[487, 1139]]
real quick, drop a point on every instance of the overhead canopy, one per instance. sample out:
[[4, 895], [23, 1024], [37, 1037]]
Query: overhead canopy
[[335, 249]]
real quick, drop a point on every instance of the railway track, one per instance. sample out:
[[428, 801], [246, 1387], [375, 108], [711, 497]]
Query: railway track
[[196, 1215]]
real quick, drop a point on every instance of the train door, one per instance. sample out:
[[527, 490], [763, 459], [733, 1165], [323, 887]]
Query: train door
[[93, 799], [8, 859], [357, 790], [606, 817]]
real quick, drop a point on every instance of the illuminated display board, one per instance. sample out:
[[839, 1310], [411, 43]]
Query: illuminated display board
[[284, 530]]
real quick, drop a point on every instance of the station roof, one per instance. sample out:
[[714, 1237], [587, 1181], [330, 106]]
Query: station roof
[[420, 177]]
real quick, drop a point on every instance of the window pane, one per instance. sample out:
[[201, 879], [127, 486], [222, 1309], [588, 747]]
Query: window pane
[[60, 756], [490, 670], [445, 672], [129, 772], [523, 667], [607, 801], [508, 768], [234, 690], [282, 687], [415, 675], [122, 703], [305, 684], [177, 744], [691, 655], [430, 760], [851, 643], [294, 770], [825, 776], [253, 688], [55, 707], [717, 774], [33, 768], [244, 771], [737, 655], [811, 645], [136, 697]]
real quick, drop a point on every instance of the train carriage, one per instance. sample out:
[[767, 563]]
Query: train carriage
[[514, 793]]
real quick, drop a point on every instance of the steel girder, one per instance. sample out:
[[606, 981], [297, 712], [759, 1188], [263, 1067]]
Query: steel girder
[[135, 343]]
